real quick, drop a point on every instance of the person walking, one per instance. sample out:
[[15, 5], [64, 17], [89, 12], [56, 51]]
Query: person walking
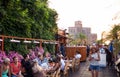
[[94, 58]]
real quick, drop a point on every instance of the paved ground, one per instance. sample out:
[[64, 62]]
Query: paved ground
[[84, 72]]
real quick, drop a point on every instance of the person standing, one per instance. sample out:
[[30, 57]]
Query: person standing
[[111, 47], [88, 50], [108, 57], [62, 49], [111, 50], [94, 58]]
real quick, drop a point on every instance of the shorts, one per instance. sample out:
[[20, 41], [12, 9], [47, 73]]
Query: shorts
[[94, 67]]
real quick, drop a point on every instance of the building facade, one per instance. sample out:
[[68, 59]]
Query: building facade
[[77, 29]]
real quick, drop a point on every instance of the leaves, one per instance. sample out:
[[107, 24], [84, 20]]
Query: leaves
[[114, 35], [27, 18], [79, 40]]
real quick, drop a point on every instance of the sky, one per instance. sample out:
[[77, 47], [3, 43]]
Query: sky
[[97, 14]]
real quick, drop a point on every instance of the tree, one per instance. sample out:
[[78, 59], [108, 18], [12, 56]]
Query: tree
[[81, 38], [114, 35], [27, 18]]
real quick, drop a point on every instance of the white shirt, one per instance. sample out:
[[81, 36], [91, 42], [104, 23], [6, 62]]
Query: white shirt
[[102, 51], [94, 56], [62, 64], [78, 56]]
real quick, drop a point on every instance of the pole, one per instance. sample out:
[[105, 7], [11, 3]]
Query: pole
[[102, 37], [2, 43]]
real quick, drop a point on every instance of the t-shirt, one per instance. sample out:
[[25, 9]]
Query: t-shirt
[[15, 69], [78, 56], [62, 64], [111, 48], [94, 62]]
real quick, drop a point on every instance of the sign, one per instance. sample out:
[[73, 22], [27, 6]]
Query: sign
[[102, 61]]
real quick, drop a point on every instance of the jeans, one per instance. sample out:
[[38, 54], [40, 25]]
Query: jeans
[[13, 76], [94, 67]]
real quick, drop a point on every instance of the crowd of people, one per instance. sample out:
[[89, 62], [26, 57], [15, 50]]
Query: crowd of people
[[39, 66]]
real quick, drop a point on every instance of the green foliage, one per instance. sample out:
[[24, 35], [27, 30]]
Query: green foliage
[[114, 35], [27, 18], [79, 40], [81, 36], [49, 48]]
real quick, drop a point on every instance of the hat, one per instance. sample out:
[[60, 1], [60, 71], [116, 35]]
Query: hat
[[6, 60]]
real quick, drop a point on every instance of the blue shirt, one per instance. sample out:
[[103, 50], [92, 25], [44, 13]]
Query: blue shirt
[[41, 61], [111, 48]]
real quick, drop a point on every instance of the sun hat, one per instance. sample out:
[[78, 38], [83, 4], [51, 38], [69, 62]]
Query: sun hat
[[6, 60]]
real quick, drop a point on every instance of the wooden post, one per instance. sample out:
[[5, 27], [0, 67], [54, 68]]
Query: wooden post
[[2, 43], [40, 44], [56, 48]]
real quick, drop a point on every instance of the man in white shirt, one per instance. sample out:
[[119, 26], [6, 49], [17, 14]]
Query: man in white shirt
[[77, 55]]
